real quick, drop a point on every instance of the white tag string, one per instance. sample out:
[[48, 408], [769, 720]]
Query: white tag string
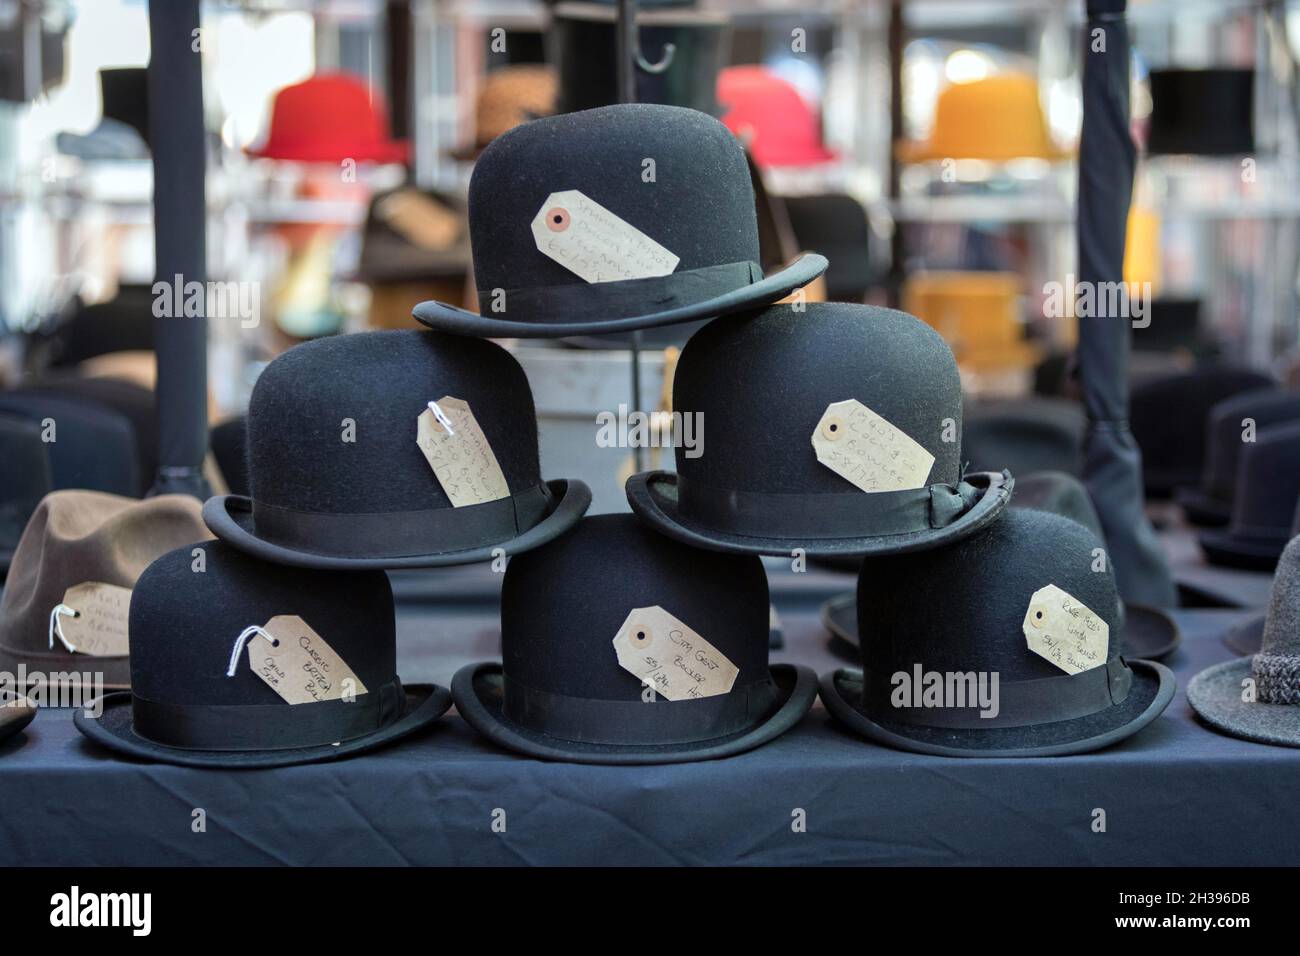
[[242, 641], [56, 625], [442, 418]]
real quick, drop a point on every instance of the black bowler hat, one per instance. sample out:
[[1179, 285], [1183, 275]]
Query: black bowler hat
[[1210, 503], [1023, 436], [1145, 632], [1167, 416], [1202, 112], [1263, 502], [338, 480], [698, 206], [89, 445], [995, 586], [560, 692], [762, 385], [24, 481], [195, 698]]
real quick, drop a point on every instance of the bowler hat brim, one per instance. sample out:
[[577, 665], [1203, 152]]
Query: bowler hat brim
[[1201, 509], [230, 518], [1215, 694], [1152, 690], [113, 729], [653, 496], [1246, 638], [1149, 633], [1230, 550], [479, 696], [16, 712], [769, 289], [75, 672]]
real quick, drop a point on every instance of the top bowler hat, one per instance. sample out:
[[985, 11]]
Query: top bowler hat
[[675, 176]]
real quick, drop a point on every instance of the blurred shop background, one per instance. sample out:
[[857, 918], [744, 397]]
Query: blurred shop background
[[928, 148]]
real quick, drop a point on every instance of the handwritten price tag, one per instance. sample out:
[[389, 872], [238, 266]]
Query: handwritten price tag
[[1065, 631], [670, 657], [300, 665], [100, 625], [593, 243], [461, 458], [865, 449]]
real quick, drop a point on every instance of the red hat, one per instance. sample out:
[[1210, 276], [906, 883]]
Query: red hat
[[327, 119], [770, 116]]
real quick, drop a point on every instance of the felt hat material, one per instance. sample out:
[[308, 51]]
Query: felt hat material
[[560, 692], [338, 480], [771, 117], [93, 446], [998, 118], [16, 712], [413, 235], [1210, 503], [329, 118], [1258, 697], [195, 697], [1264, 503], [1024, 436], [977, 630], [1168, 415], [24, 480], [1145, 632], [699, 206], [763, 383], [75, 537]]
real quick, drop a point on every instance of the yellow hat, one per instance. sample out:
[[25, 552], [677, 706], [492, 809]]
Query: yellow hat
[[976, 313], [998, 118]]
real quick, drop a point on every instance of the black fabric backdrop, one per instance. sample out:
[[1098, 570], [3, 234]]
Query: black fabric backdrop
[[1177, 794]]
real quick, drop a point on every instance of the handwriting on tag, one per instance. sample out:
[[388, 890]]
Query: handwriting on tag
[[1065, 631], [593, 243], [100, 625], [461, 457], [865, 449], [301, 666], [668, 656]]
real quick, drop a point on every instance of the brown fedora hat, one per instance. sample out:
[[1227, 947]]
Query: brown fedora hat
[[79, 538]]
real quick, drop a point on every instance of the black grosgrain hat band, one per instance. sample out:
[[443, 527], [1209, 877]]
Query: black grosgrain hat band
[[1022, 703], [824, 514], [400, 533], [629, 723], [602, 301], [257, 727]]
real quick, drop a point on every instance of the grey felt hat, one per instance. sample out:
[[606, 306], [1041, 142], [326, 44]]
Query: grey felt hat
[[773, 387], [566, 189], [1258, 697]]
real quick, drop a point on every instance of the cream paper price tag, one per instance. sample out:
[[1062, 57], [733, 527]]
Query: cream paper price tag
[[99, 626], [1065, 631], [299, 665], [668, 656], [865, 449], [594, 244], [459, 453]]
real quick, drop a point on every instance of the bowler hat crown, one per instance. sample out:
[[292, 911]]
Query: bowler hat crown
[[1268, 483], [675, 174], [1224, 432], [563, 604]]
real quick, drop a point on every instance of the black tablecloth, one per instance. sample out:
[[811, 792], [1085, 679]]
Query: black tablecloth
[[1177, 794]]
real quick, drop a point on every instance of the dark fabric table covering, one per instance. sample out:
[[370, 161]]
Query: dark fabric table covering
[[1177, 794]]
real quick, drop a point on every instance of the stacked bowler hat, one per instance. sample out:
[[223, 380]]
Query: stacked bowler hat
[[239, 663], [393, 449], [1004, 644], [828, 427], [1263, 502], [613, 219], [621, 646]]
